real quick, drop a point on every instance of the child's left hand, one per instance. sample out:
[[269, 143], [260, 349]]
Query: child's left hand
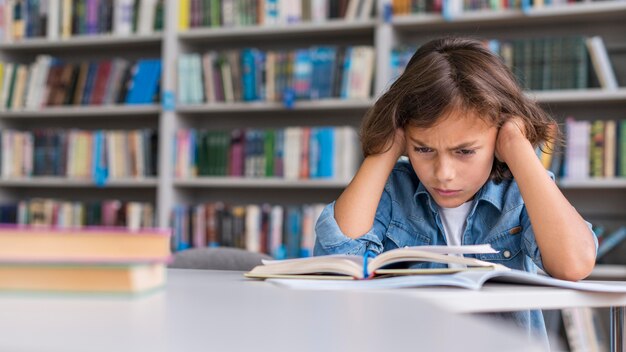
[[511, 135]]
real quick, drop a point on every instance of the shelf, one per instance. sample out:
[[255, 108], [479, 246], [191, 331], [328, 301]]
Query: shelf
[[83, 41], [601, 10], [319, 105], [580, 96], [64, 182], [85, 111], [305, 31], [608, 272], [236, 182], [599, 183]]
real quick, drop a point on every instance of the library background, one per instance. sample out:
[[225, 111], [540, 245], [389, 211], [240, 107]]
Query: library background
[[234, 121]]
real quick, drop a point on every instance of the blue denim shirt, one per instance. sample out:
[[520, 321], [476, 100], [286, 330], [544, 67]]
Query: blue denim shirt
[[408, 216]]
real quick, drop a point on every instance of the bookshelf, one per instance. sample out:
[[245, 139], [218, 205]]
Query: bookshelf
[[603, 18]]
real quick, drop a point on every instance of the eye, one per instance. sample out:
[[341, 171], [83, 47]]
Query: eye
[[466, 151], [422, 150]]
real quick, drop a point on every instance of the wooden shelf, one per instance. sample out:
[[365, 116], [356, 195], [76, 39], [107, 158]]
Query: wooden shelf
[[82, 41], [85, 111], [241, 182], [553, 15], [580, 96], [314, 105], [305, 31], [65, 182], [591, 183]]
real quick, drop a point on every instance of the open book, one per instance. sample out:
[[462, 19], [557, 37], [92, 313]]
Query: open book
[[473, 280], [394, 262]]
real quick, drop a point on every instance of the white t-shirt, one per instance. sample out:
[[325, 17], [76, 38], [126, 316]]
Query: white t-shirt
[[454, 220]]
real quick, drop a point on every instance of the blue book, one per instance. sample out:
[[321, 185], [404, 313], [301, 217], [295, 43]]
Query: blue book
[[302, 74], [100, 169], [314, 153], [326, 141], [323, 70], [92, 72], [611, 241], [153, 78], [345, 81], [248, 75], [293, 231]]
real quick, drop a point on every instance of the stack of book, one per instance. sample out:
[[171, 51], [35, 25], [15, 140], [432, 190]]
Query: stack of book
[[82, 260]]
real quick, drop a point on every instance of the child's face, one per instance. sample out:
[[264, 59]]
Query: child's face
[[453, 159]]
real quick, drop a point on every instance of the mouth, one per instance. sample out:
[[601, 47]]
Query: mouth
[[447, 192]]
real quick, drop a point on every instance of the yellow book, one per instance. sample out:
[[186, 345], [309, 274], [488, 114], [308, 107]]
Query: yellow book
[[66, 19], [183, 14]]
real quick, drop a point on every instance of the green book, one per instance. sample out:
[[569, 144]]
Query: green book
[[216, 12], [12, 85], [596, 154], [269, 152]]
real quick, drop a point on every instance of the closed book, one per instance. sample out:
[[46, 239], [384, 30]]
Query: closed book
[[88, 244], [610, 148], [601, 63], [597, 149], [83, 278]]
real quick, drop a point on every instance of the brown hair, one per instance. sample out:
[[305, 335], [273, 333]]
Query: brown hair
[[451, 74]]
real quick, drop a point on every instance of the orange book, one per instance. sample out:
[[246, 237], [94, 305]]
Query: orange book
[[96, 245]]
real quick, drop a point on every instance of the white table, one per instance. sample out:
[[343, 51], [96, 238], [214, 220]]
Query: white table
[[506, 298], [222, 311]]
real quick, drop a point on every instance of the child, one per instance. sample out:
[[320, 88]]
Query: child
[[473, 176]]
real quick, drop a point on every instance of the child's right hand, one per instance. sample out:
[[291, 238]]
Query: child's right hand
[[398, 148]]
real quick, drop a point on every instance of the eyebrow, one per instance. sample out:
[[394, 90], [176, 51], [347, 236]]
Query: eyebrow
[[460, 146]]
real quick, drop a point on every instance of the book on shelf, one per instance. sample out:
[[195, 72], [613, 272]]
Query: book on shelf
[[62, 19], [277, 230], [452, 9], [69, 214], [233, 13], [610, 241], [52, 82], [601, 62], [390, 263], [548, 63], [583, 329], [295, 153], [79, 154], [251, 74]]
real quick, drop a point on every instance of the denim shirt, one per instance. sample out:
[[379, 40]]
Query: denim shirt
[[408, 216]]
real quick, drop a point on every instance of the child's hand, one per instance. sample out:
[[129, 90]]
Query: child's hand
[[510, 135], [399, 144]]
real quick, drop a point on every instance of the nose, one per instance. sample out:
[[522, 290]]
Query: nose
[[444, 170]]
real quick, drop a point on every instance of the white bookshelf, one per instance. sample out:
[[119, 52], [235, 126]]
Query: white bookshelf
[[608, 272], [83, 41], [241, 182], [85, 111], [298, 30], [66, 182], [239, 107], [580, 96], [593, 183], [554, 15]]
